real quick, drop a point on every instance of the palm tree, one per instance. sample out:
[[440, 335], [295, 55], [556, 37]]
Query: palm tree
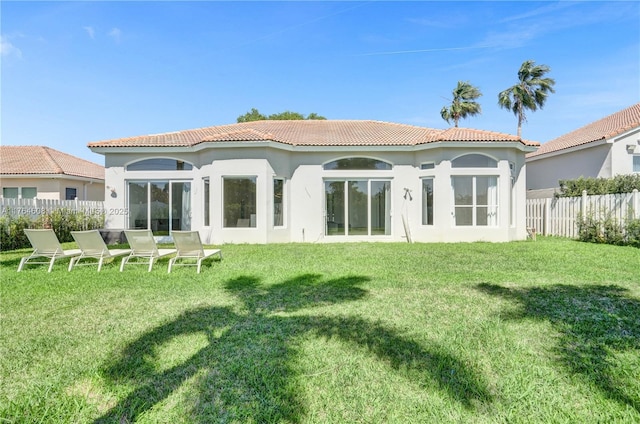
[[463, 103], [530, 92]]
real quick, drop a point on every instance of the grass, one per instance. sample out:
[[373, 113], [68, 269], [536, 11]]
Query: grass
[[523, 332]]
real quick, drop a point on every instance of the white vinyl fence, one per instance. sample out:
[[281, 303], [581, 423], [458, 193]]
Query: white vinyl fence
[[34, 208], [559, 216]]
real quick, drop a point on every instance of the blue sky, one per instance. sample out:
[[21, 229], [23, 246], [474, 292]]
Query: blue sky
[[76, 72]]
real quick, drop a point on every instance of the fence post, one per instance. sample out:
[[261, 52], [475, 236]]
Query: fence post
[[583, 205], [546, 217], [635, 202]]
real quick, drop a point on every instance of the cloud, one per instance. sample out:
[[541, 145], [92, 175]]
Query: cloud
[[116, 34], [90, 31], [535, 13], [8, 49], [455, 21], [511, 39], [442, 49]]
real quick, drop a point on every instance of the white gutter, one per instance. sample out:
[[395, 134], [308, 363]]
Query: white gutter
[[54, 176], [291, 148]]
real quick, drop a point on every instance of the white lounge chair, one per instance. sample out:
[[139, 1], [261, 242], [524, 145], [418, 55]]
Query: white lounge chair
[[93, 246], [189, 247], [45, 244], [143, 246]]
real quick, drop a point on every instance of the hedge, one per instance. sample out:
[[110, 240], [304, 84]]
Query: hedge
[[62, 221], [594, 186]]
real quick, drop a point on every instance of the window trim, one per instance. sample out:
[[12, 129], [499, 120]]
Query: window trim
[[422, 204], [21, 194], [369, 181], [256, 211], [427, 166], [388, 165], [283, 213], [17, 191], [66, 191], [206, 201], [474, 205], [148, 160], [470, 155], [148, 215]]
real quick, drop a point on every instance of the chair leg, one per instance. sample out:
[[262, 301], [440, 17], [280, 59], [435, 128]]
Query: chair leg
[[199, 265], [150, 263], [51, 263], [171, 261], [71, 264], [22, 262], [100, 263], [124, 261]]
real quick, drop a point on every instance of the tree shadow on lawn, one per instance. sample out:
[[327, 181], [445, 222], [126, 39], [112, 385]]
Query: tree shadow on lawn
[[246, 371], [594, 323]]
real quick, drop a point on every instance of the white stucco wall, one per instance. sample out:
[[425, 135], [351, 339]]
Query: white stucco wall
[[622, 152], [302, 170], [53, 187], [589, 161], [600, 159]]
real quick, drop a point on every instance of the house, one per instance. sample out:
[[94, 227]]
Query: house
[[41, 172], [319, 181], [601, 149]]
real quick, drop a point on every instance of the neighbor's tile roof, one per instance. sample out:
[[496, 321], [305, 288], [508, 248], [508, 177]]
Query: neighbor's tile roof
[[602, 129], [16, 160], [314, 133]]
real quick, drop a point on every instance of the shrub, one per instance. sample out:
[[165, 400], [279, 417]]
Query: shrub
[[608, 230], [12, 232], [632, 232], [61, 221], [595, 186]]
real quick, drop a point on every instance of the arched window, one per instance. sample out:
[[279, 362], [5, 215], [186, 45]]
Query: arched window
[[357, 164], [474, 160], [159, 164]]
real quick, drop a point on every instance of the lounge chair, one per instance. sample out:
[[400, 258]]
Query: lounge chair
[[45, 244], [143, 246], [93, 246], [189, 246]]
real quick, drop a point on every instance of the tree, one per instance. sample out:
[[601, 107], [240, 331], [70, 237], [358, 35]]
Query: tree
[[251, 116], [286, 116], [530, 92], [255, 115], [463, 103]]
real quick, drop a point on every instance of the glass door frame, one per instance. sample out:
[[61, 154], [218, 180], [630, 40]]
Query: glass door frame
[[347, 211]]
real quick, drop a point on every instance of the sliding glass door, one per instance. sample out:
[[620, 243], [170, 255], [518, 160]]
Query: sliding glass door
[[160, 206], [357, 207]]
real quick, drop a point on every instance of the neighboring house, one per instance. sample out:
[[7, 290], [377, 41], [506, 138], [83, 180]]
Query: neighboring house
[[320, 181], [604, 148], [40, 172]]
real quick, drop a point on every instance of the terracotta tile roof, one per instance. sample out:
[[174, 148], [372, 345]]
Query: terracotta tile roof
[[314, 133], [16, 160], [602, 129]]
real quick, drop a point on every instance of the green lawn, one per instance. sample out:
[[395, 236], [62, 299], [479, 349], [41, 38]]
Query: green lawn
[[524, 332]]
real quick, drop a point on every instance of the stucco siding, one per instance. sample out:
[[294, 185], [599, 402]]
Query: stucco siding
[[304, 192], [545, 172], [50, 187], [622, 152]]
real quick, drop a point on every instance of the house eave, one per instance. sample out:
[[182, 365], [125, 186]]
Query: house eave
[[626, 134], [52, 176], [315, 148]]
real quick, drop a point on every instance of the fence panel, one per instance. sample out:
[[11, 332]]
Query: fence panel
[[33, 208], [559, 216]]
